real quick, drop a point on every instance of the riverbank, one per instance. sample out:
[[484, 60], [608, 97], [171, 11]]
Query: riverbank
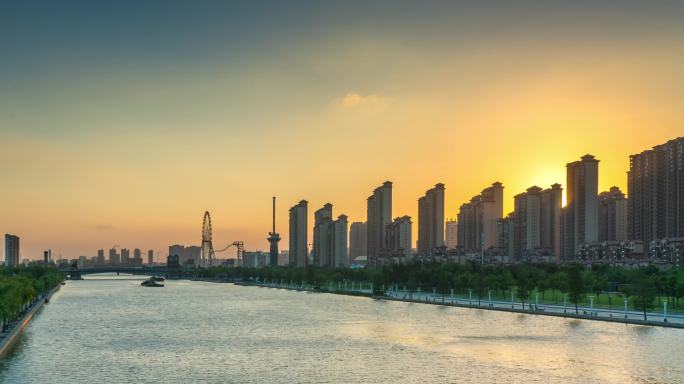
[[485, 306], [11, 336]]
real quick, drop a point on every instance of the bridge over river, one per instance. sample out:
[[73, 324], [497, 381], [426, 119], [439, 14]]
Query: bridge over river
[[75, 273]]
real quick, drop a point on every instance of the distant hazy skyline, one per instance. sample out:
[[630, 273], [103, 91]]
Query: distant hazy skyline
[[122, 122]]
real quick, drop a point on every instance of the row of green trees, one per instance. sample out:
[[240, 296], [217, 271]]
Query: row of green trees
[[643, 287], [21, 287]]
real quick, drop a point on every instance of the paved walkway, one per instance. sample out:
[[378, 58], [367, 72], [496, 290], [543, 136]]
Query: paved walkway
[[569, 308], [583, 311]]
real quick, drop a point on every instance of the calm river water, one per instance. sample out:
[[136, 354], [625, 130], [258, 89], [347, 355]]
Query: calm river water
[[105, 330]]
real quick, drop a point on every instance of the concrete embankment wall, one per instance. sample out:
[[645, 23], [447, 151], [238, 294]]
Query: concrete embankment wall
[[8, 341]]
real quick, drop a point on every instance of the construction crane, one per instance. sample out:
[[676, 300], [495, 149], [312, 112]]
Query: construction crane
[[240, 250]]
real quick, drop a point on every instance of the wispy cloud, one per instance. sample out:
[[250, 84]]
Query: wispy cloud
[[103, 227], [356, 100]]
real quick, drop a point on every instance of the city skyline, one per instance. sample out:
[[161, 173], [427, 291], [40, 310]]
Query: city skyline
[[119, 135], [415, 231]]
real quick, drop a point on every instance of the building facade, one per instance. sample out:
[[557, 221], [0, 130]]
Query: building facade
[[358, 243], [322, 236], [340, 236], [193, 255], [398, 240], [379, 215], [532, 231], [612, 219], [551, 208], [100, 257], [125, 256], [299, 248], [431, 220], [478, 219], [11, 250], [330, 247], [257, 259], [451, 234], [655, 186], [114, 258], [579, 218]]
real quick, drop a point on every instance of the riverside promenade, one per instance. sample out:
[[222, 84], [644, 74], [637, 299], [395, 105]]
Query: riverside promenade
[[659, 319], [7, 339]]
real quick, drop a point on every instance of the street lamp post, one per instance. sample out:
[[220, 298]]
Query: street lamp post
[[565, 303], [489, 292], [591, 305], [625, 307], [470, 296], [512, 298], [665, 311], [536, 301]]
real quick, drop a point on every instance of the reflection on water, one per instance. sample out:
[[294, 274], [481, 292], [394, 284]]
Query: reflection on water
[[114, 331]]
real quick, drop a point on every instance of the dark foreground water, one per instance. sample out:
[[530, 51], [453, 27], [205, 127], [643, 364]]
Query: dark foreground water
[[115, 331]]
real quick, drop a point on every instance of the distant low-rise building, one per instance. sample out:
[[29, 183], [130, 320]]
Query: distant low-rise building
[[256, 259]]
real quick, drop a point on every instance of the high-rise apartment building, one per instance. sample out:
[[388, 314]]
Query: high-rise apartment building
[[100, 257], [114, 258], [431, 220], [299, 255], [322, 236], [340, 248], [451, 234], [358, 243], [655, 186], [125, 256], [398, 239], [612, 219], [137, 257], [551, 208], [579, 218], [193, 255], [379, 214], [177, 251], [150, 257], [533, 229], [330, 239], [477, 219], [11, 250]]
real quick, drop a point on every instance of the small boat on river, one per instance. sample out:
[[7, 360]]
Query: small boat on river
[[151, 283]]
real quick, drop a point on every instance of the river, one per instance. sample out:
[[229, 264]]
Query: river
[[111, 330]]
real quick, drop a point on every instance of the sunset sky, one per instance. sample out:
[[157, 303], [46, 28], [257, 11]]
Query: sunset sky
[[121, 122]]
